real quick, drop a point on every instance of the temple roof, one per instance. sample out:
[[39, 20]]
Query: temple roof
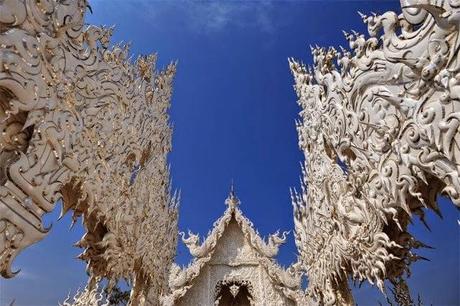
[[181, 279], [267, 249]]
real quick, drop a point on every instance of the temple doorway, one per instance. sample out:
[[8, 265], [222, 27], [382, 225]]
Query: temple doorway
[[233, 294]]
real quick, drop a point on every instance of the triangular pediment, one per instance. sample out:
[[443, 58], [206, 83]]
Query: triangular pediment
[[233, 248]]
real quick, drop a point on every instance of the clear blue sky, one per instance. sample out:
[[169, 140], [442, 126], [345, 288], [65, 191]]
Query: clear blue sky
[[233, 111]]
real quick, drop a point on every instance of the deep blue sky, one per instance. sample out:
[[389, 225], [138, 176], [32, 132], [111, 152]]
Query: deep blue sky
[[233, 111]]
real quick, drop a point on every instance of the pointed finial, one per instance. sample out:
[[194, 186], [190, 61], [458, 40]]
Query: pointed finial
[[232, 199], [232, 189]]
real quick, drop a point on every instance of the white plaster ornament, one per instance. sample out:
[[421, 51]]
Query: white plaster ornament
[[389, 110]]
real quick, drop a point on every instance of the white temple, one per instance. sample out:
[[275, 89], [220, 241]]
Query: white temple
[[233, 266]]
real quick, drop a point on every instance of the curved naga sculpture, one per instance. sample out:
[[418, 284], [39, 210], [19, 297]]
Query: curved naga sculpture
[[83, 124], [391, 113]]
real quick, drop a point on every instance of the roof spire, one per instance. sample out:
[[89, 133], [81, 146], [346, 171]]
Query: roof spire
[[232, 200], [232, 188]]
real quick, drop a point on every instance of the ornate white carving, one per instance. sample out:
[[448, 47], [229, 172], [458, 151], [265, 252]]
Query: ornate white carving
[[234, 289], [233, 254], [87, 297], [81, 123], [391, 113], [235, 283]]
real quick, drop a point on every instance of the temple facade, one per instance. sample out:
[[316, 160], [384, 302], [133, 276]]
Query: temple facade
[[233, 266]]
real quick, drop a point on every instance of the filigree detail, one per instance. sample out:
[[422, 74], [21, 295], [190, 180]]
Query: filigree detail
[[87, 297], [83, 124], [390, 111]]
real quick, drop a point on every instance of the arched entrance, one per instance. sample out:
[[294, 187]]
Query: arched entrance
[[233, 293]]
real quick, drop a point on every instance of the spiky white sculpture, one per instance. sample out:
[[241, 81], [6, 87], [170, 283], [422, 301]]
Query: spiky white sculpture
[[83, 124], [391, 113]]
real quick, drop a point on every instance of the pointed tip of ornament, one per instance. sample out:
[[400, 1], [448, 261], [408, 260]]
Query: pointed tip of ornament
[[232, 200], [363, 16], [232, 189]]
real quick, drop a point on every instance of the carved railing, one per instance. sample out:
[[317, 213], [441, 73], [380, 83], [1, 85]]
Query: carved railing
[[389, 109]]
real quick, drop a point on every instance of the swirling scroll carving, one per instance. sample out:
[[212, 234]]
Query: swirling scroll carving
[[83, 124], [389, 109]]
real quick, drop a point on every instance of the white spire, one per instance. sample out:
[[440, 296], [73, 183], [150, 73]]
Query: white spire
[[232, 200]]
